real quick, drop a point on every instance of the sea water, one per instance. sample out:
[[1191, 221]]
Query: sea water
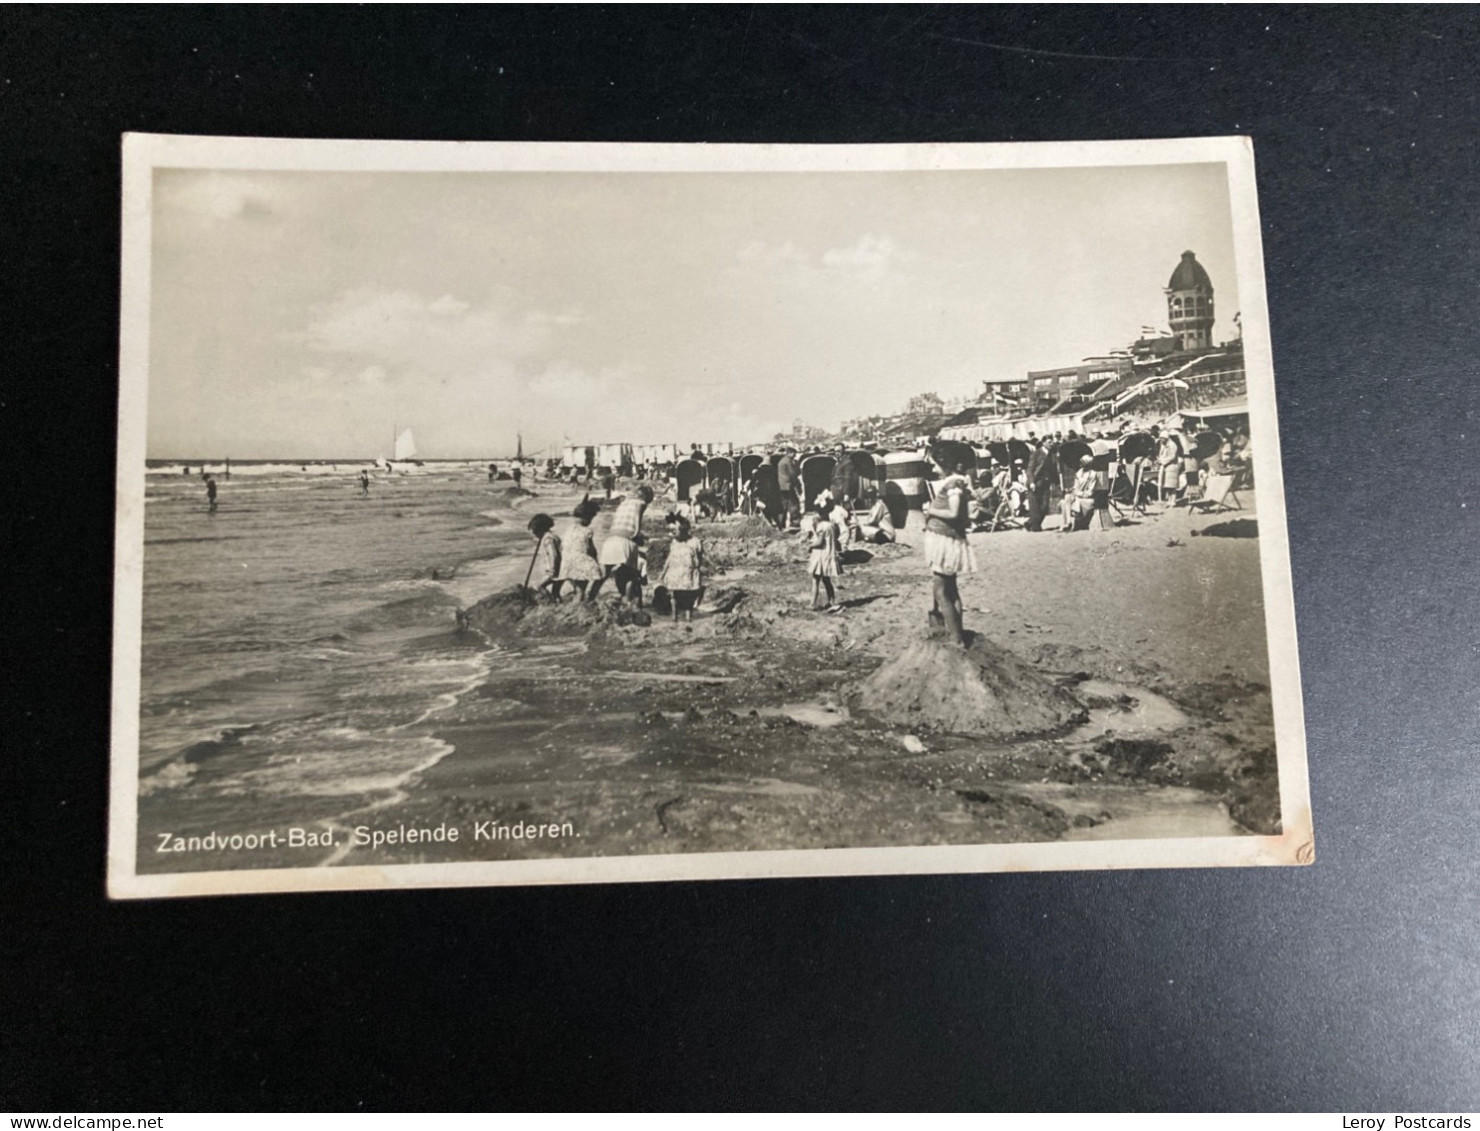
[[299, 642]]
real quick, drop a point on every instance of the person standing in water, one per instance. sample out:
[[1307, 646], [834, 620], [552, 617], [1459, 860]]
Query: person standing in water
[[211, 493], [364, 483]]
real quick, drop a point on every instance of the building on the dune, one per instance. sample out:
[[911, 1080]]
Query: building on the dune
[[1162, 372]]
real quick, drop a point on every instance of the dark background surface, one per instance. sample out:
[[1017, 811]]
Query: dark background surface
[[1351, 985]]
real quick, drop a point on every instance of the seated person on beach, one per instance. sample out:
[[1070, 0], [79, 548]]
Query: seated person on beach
[[683, 573], [1079, 504], [580, 567], [847, 525], [620, 551], [545, 570], [877, 525]]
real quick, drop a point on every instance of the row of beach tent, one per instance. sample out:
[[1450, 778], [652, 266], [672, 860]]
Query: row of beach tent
[[901, 477]]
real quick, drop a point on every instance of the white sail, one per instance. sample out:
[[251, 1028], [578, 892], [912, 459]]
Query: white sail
[[405, 445]]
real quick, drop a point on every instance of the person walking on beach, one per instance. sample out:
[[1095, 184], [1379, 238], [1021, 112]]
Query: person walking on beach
[[211, 493], [364, 483], [947, 552], [545, 569], [580, 567], [823, 563], [621, 549], [518, 475], [683, 574]]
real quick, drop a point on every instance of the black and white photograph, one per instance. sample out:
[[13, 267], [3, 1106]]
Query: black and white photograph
[[508, 514]]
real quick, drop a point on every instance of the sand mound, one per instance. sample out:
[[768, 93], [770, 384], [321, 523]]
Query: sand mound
[[576, 618], [983, 690], [496, 615]]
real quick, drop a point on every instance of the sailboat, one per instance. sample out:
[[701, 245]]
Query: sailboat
[[405, 446], [403, 451]]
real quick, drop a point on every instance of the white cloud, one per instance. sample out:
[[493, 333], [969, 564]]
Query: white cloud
[[764, 253], [868, 259], [569, 384], [404, 332]]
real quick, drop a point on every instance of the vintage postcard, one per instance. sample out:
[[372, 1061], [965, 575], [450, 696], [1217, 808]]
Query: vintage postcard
[[526, 513]]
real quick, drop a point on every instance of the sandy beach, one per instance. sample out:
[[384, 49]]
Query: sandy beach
[[603, 731]]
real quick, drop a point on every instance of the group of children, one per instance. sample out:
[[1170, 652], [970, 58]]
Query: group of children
[[578, 564], [622, 556]]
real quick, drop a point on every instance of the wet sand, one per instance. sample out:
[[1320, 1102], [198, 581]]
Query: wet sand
[[602, 735]]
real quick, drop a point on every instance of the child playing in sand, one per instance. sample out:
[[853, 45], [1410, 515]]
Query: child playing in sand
[[683, 574], [823, 563], [580, 567], [545, 569]]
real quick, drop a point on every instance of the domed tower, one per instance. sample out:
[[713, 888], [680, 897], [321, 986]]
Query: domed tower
[[1190, 304]]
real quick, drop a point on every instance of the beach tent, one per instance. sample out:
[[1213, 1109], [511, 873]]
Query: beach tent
[[1070, 453], [1137, 445], [817, 475], [688, 477], [1006, 451], [765, 490], [1205, 445], [856, 475], [748, 463], [721, 477], [948, 453], [614, 456], [844, 484], [904, 483]]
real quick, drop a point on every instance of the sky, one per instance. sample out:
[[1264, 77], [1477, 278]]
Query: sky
[[309, 314]]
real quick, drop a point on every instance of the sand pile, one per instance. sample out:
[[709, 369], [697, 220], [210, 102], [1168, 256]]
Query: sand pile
[[576, 618], [496, 615], [513, 612], [983, 690]]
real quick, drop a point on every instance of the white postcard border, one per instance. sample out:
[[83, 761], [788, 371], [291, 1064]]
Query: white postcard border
[[143, 153]]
